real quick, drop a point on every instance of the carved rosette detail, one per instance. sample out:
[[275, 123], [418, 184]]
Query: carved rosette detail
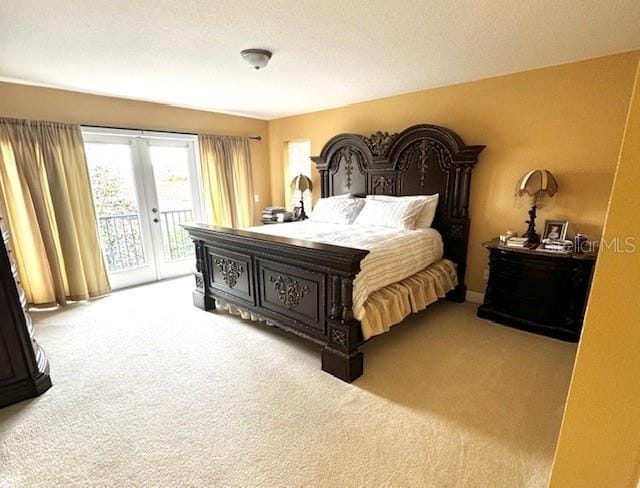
[[383, 183], [290, 292], [199, 282], [457, 230], [230, 271], [338, 337], [379, 142]]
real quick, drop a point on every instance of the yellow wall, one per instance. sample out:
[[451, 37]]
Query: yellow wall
[[599, 442], [30, 102], [568, 119]]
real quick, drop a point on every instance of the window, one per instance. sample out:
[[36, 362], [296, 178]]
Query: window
[[299, 162]]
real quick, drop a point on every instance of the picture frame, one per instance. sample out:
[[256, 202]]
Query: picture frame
[[555, 230]]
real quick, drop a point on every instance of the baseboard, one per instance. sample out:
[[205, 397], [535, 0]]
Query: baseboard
[[475, 296]]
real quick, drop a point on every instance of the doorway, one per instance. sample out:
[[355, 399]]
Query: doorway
[[144, 186]]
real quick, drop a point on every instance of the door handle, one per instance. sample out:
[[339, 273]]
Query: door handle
[[154, 210], [156, 220]]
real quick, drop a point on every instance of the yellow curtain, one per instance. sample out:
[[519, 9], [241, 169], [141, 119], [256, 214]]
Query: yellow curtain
[[46, 197], [227, 179]]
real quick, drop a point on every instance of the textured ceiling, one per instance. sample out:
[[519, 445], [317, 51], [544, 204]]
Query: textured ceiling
[[327, 53]]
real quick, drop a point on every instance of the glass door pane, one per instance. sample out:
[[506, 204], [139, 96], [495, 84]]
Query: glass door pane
[[176, 189], [144, 186], [125, 244]]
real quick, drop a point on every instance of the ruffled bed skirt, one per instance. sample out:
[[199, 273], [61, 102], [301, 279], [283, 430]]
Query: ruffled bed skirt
[[390, 305], [235, 310]]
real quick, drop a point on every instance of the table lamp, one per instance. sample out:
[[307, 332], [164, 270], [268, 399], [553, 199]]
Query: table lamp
[[302, 183], [536, 183]]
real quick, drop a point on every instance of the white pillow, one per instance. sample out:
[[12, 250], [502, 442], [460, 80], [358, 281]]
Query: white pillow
[[397, 214], [425, 218], [336, 210]]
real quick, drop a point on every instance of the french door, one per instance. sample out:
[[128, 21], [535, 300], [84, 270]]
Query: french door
[[144, 186]]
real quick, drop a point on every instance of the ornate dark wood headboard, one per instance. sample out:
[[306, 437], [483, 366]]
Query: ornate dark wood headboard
[[421, 160]]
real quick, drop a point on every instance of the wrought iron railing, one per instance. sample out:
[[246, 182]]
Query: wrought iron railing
[[122, 241], [176, 241]]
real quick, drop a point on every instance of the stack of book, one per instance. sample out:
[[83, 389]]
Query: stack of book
[[555, 245], [270, 214], [517, 242]]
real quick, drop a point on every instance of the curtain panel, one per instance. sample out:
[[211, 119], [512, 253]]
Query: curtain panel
[[48, 205], [227, 179]]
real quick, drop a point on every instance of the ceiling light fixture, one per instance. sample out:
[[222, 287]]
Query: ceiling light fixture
[[258, 58]]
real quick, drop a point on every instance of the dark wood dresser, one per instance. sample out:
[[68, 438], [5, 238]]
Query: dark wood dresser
[[537, 291], [24, 369]]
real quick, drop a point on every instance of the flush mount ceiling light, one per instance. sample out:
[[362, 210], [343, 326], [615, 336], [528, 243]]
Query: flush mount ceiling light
[[258, 58]]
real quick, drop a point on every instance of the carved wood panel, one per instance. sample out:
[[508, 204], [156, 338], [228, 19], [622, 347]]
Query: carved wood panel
[[379, 143], [424, 168], [290, 291], [199, 282], [292, 294], [382, 184], [230, 272], [338, 337], [348, 173]]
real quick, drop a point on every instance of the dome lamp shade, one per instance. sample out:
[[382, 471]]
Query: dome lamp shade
[[302, 183], [536, 183]]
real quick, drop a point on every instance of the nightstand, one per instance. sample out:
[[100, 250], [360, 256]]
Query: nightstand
[[537, 291]]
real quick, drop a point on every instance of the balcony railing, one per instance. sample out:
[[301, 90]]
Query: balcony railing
[[122, 241], [176, 241]]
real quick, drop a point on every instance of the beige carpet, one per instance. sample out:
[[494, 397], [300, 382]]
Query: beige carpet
[[149, 391]]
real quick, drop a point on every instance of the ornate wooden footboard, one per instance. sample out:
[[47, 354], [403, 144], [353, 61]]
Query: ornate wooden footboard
[[303, 287], [306, 287]]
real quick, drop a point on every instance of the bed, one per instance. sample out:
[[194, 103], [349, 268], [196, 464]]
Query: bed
[[339, 285], [393, 256]]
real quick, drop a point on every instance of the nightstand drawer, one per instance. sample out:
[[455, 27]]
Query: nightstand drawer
[[540, 307], [538, 292]]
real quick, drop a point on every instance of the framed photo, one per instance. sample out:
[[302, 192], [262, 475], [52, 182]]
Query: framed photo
[[556, 230]]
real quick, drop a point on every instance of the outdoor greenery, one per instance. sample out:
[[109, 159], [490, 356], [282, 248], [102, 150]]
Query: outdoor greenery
[[119, 223], [108, 194]]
